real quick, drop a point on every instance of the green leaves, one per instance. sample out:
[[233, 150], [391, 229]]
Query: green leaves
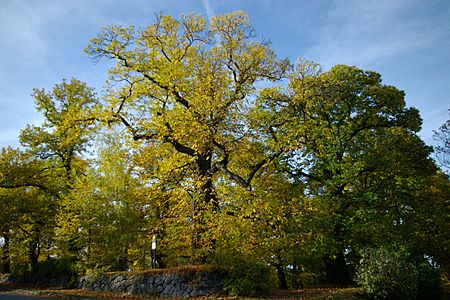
[[69, 111], [29, 195], [182, 84], [202, 142], [388, 272]]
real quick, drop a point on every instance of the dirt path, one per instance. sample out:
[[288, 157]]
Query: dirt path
[[20, 296], [15, 292]]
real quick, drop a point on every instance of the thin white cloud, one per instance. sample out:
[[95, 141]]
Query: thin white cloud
[[407, 40], [25, 44], [9, 137], [359, 32], [19, 28], [209, 10], [23, 24]]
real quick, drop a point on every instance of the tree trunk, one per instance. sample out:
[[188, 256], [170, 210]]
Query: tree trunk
[[204, 200], [6, 262], [33, 253], [282, 283], [336, 269], [122, 263]]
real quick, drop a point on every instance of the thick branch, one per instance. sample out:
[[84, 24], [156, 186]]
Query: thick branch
[[36, 185], [174, 92], [177, 145], [150, 136], [246, 182]]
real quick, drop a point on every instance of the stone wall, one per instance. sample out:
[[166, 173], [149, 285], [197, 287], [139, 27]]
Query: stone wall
[[183, 283], [4, 278], [50, 281]]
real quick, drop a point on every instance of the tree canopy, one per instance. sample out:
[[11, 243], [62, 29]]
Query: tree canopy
[[208, 141]]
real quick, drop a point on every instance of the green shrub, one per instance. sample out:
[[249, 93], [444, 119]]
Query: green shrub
[[430, 287], [20, 271], [58, 267], [50, 268], [248, 278], [244, 276], [387, 273], [299, 279]]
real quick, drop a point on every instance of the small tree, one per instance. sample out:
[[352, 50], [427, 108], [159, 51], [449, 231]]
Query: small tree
[[107, 203], [28, 206], [388, 273]]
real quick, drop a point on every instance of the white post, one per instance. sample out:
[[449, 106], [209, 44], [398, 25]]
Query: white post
[[154, 251]]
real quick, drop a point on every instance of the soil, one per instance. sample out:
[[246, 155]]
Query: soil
[[318, 293]]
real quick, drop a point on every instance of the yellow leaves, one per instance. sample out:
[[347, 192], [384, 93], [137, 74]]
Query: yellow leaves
[[232, 26], [195, 92], [178, 89], [193, 24]]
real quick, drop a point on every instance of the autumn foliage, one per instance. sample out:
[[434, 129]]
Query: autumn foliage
[[203, 138]]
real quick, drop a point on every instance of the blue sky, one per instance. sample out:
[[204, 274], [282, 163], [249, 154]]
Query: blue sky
[[407, 41]]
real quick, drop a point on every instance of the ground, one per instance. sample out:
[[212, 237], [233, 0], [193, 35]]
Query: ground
[[321, 293]]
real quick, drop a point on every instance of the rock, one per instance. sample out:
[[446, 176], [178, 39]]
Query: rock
[[4, 278], [196, 292], [186, 284], [159, 279]]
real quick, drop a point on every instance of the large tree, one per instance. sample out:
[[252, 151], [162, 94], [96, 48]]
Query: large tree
[[352, 141], [189, 84], [300, 175]]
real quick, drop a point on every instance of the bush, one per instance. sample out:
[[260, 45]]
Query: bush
[[245, 276], [298, 279], [20, 271], [387, 273], [248, 278], [51, 268], [58, 267], [429, 282]]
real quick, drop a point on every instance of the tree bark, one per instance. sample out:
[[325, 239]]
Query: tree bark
[[336, 269], [205, 200], [122, 263], [281, 274], [33, 253], [6, 262]]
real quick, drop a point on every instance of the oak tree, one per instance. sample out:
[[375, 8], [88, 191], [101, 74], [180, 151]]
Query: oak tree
[[347, 135], [190, 85]]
